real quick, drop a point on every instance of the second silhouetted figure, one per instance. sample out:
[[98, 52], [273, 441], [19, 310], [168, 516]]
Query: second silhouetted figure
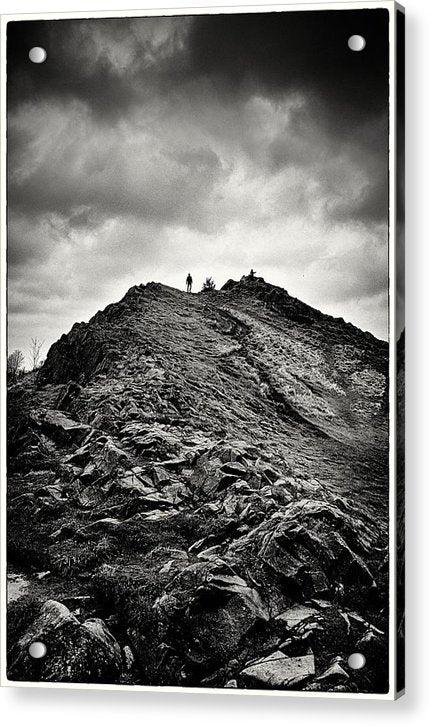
[[189, 282]]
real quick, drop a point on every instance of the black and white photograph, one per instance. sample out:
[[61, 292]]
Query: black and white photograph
[[199, 327]]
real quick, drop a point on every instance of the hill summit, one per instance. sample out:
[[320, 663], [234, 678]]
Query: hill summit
[[204, 476]]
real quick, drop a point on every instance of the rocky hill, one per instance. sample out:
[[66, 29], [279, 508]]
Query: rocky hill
[[198, 496]]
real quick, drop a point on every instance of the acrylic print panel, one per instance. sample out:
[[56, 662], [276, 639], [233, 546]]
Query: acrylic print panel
[[198, 398]]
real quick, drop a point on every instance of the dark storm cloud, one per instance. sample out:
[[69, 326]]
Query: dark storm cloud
[[112, 66], [307, 53], [275, 53], [81, 66], [297, 51]]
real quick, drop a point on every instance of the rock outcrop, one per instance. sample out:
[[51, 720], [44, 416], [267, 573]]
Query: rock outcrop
[[204, 478]]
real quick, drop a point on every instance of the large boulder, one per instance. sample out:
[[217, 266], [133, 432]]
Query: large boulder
[[279, 671], [76, 652], [313, 544], [60, 427], [210, 610]]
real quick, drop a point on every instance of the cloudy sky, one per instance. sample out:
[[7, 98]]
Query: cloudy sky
[[146, 148]]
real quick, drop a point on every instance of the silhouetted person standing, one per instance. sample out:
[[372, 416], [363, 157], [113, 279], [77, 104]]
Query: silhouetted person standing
[[189, 282], [252, 274]]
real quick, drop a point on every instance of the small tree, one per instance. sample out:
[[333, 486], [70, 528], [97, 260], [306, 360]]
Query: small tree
[[15, 364], [208, 285], [35, 349]]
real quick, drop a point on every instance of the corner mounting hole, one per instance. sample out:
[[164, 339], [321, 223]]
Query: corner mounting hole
[[37, 649], [37, 55], [356, 42], [356, 661]]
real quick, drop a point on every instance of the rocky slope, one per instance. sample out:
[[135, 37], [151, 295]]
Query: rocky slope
[[198, 496]]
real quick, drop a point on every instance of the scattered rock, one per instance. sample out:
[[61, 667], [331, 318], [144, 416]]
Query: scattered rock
[[223, 503]]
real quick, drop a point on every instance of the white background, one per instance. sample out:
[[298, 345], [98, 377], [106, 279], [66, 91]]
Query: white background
[[78, 708]]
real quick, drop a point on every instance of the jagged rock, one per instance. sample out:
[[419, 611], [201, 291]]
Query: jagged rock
[[354, 530], [370, 640], [218, 609], [291, 548], [76, 653], [113, 455], [89, 473], [315, 584], [232, 683], [211, 553], [107, 461], [52, 491], [334, 674], [270, 474], [296, 615], [235, 468], [174, 464], [231, 452], [283, 550], [218, 468], [225, 480], [131, 411], [67, 396], [80, 457], [60, 427], [224, 610], [279, 671], [134, 485], [160, 476], [207, 475], [201, 544], [157, 444], [241, 487], [176, 493]]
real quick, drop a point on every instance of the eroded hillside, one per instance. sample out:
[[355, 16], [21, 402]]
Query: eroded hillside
[[198, 496]]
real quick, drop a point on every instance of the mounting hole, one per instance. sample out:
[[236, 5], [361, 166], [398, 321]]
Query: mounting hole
[[356, 661], [356, 42], [37, 649], [37, 55]]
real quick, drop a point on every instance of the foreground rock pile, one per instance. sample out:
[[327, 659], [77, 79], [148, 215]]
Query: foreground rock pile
[[198, 496]]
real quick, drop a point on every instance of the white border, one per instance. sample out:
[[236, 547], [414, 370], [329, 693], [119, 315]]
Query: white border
[[392, 7]]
